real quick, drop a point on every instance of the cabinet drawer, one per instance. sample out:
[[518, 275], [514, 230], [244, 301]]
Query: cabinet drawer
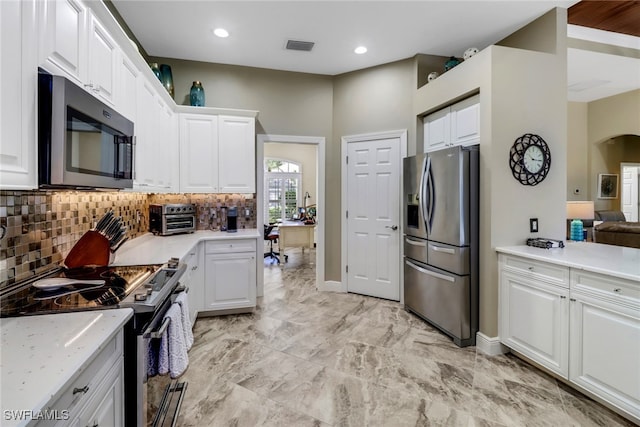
[[230, 246], [605, 286], [535, 269], [89, 379]]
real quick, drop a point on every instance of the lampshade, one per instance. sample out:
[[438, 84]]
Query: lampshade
[[580, 210]]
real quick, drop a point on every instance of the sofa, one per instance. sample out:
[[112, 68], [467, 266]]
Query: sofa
[[616, 230]]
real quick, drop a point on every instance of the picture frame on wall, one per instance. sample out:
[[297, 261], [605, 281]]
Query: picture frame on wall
[[608, 184]]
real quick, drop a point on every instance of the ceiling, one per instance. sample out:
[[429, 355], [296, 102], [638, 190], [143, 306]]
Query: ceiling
[[391, 30]]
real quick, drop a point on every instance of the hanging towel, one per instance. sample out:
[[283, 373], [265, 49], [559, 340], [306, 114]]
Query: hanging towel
[[173, 358], [186, 319], [153, 348]]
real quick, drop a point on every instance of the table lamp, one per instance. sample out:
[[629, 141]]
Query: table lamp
[[577, 211]]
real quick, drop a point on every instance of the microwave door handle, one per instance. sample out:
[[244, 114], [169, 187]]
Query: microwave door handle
[[116, 157]]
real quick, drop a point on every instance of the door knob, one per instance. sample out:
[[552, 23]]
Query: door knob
[[393, 227]]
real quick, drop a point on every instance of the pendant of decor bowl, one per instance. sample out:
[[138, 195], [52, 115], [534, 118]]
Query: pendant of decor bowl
[[196, 95], [167, 78], [470, 52], [451, 62], [156, 70], [432, 76]]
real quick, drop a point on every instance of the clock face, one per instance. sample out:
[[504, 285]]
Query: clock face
[[530, 159], [533, 159]]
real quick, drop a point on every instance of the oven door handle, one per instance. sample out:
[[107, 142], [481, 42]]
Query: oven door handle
[[161, 330], [181, 288]]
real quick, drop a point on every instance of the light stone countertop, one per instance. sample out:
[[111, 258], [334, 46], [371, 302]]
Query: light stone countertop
[[42, 354], [150, 249], [616, 261]]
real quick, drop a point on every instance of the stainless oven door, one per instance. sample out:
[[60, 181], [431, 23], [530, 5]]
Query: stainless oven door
[[160, 397]]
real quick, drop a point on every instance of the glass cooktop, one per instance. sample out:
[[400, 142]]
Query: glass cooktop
[[119, 282]]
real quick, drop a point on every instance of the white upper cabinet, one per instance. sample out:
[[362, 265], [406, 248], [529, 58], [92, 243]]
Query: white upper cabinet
[[63, 47], [198, 153], [236, 138], [145, 154], [18, 89], [127, 90], [458, 124], [103, 57]]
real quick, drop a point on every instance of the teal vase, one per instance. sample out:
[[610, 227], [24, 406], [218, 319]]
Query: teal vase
[[156, 70], [577, 230], [196, 95], [167, 78], [451, 62]]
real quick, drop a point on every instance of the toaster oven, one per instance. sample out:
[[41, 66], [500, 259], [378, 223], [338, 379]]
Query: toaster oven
[[172, 219]]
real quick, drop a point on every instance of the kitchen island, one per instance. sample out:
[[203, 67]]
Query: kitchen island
[[575, 312], [45, 359]]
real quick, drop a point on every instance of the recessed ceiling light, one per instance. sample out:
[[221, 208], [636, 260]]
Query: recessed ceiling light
[[221, 32], [360, 50]]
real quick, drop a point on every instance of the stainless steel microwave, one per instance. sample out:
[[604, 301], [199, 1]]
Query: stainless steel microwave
[[82, 142]]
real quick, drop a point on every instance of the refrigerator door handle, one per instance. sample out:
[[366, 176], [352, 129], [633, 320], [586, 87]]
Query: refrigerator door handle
[[421, 194], [415, 242], [426, 195], [443, 250], [430, 273]]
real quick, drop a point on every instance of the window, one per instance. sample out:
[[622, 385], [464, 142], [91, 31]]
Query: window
[[282, 188]]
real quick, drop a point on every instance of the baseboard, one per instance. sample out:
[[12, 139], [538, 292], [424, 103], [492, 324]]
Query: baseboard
[[330, 286], [490, 346]]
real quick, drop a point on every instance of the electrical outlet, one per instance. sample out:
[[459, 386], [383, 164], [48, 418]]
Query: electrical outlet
[[533, 225]]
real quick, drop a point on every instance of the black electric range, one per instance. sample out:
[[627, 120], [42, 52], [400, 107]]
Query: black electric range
[[141, 287]]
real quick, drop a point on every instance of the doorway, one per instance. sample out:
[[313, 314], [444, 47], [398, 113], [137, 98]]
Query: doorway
[[318, 143], [371, 226], [630, 190]]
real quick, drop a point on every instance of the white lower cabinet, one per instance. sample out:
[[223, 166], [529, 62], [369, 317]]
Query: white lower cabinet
[[194, 281], [106, 407], [587, 331], [230, 275], [535, 321]]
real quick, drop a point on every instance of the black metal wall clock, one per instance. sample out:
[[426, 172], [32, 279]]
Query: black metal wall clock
[[530, 159]]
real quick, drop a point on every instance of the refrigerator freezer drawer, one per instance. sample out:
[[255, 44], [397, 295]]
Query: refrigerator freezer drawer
[[415, 248], [451, 258], [439, 297]]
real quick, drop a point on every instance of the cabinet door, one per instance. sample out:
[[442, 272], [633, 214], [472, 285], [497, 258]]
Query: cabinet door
[[171, 149], [465, 122], [237, 142], [193, 279], [198, 153], [437, 130], [230, 281], [106, 407], [605, 350], [534, 320], [102, 61], [18, 91], [127, 88], [64, 47], [145, 151]]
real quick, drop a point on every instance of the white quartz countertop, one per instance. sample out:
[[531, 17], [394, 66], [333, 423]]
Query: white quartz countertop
[[616, 261], [40, 355], [150, 249]]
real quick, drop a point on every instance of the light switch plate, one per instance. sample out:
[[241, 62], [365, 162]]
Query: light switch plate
[[533, 225]]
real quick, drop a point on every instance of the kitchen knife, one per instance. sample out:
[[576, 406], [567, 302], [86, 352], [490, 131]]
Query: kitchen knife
[[103, 221]]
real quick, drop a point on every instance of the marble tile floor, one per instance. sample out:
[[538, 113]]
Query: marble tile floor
[[308, 358]]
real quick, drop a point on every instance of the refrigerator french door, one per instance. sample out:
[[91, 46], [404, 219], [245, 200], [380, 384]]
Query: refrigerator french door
[[441, 210]]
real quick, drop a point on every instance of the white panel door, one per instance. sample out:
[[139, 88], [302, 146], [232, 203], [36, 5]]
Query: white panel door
[[373, 208], [198, 153], [629, 195], [237, 142]]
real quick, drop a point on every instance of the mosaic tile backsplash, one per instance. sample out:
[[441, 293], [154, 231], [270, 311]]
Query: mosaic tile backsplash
[[41, 227]]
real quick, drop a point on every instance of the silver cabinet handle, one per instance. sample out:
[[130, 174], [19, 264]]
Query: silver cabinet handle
[[430, 273], [443, 250], [393, 227], [415, 242]]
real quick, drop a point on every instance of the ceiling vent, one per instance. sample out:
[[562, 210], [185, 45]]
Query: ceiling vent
[[298, 45]]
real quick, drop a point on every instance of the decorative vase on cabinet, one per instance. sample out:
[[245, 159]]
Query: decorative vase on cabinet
[[196, 95], [167, 78], [156, 70]]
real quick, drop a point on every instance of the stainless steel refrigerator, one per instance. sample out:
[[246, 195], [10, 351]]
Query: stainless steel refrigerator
[[441, 220]]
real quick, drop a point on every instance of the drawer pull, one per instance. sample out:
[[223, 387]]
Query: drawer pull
[[77, 390], [444, 250], [415, 243], [618, 290]]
